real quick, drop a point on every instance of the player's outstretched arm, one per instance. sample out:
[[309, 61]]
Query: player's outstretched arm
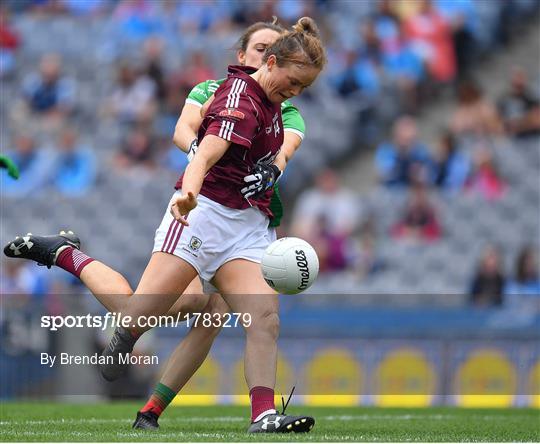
[[210, 151]]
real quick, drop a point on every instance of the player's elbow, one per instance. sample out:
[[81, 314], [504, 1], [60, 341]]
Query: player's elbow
[[177, 139]]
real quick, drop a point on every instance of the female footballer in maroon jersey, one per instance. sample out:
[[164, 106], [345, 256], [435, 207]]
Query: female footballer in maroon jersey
[[212, 230], [242, 129]]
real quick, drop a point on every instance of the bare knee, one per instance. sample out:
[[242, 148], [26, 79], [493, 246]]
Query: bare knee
[[266, 324], [194, 303], [188, 303], [217, 305], [214, 316], [207, 331], [121, 297]]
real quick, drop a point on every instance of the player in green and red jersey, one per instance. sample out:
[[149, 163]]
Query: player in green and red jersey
[[192, 351]]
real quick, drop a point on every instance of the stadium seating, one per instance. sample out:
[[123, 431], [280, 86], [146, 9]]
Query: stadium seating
[[117, 219]]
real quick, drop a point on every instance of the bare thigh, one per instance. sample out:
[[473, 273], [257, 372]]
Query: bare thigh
[[165, 277]]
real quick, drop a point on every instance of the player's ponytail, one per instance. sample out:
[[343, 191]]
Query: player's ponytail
[[308, 26], [302, 46]]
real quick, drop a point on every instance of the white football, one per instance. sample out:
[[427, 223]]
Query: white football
[[290, 265]]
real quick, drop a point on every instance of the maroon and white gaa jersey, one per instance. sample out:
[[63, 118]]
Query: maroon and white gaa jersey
[[242, 114]]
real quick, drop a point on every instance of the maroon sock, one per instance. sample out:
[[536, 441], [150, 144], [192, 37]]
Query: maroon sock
[[73, 260], [262, 400]]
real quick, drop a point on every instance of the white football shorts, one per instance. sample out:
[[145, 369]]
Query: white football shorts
[[216, 234]]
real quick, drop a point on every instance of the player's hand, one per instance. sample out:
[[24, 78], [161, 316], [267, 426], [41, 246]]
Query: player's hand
[[182, 206], [261, 179], [192, 150]]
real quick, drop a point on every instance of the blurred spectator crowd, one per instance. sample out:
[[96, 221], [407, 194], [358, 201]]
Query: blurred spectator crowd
[[94, 89]]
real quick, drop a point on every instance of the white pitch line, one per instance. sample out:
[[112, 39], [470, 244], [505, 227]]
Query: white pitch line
[[50, 433], [438, 417], [126, 420], [65, 421], [226, 419], [397, 417]]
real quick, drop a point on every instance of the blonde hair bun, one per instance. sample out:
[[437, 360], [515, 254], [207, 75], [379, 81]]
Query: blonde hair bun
[[308, 26]]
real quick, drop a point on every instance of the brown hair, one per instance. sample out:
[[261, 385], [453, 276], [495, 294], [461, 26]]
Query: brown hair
[[301, 46], [243, 41]]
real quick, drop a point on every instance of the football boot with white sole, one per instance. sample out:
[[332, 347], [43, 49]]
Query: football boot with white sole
[[42, 249]]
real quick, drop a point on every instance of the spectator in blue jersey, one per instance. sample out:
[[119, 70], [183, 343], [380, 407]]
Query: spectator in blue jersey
[[49, 92], [138, 19], [86, 8], [290, 10], [36, 167], [202, 16], [75, 165], [22, 284], [405, 68], [451, 166], [346, 81], [404, 160], [363, 71], [387, 23]]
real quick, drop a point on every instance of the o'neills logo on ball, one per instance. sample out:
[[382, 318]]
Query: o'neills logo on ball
[[302, 263]]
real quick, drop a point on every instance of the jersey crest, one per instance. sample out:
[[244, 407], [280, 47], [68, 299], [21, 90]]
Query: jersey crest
[[233, 113]]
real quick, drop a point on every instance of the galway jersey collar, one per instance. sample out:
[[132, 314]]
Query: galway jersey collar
[[244, 72]]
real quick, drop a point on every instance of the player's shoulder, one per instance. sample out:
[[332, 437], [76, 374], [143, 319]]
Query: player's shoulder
[[213, 85], [236, 85], [201, 92], [237, 90], [204, 86], [239, 82]]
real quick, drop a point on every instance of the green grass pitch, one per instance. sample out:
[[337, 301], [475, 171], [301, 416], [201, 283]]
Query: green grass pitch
[[112, 422]]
